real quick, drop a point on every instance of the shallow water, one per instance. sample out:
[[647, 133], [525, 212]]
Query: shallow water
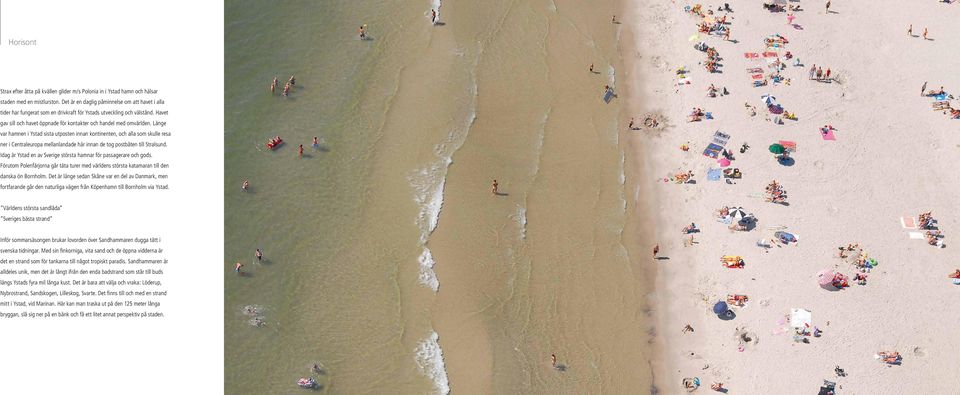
[[387, 259]]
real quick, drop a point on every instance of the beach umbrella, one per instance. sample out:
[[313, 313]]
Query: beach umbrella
[[738, 213], [777, 149], [721, 307], [723, 162], [825, 277], [768, 100]]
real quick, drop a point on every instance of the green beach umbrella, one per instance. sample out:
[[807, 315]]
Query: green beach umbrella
[[777, 149]]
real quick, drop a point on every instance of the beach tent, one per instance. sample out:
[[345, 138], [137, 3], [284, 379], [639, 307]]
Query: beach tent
[[721, 307], [800, 318], [825, 277]]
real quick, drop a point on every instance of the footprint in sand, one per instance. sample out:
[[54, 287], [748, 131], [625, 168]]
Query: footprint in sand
[[919, 352]]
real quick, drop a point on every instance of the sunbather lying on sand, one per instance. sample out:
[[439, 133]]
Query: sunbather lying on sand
[[737, 300], [889, 356], [955, 274]]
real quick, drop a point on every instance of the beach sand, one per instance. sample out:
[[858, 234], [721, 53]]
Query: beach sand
[[892, 157]]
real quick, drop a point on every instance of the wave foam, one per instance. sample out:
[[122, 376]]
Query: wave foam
[[521, 217], [429, 358], [427, 276]]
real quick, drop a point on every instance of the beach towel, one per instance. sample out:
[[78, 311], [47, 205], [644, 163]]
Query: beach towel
[[712, 151], [757, 76], [770, 54], [713, 174], [789, 145], [720, 138], [755, 70], [908, 222], [941, 97], [684, 80], [827, 134], [751, 55], [709, 115], [916, 235]]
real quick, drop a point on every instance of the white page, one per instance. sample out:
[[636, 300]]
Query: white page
[[175, 47]]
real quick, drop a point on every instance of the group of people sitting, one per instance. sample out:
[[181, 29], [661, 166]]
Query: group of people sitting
[[712, 91], [926, 220], [776, 193], [943, 103], [713, 60], [860, 278], [932, 234], [839, 281], [696, 115]]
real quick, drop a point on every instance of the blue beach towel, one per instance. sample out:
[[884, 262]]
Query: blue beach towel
[[713, 174]]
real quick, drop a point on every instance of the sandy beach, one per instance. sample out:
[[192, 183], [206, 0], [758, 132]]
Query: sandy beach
[[889, 157]]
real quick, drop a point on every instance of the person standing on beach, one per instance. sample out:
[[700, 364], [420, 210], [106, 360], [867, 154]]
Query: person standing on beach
[[813, 70], [433, 16], [237, 268], [828, 6], [495, 190], [614, 20], [827, 75], [923, 89], [726, 35], [591, 67], [316, 143], [301, 151], [819, 73], [363, 32], [925, 34], [656, 250], [910, 30], [259, 255], [553, 360], [630, 126]]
